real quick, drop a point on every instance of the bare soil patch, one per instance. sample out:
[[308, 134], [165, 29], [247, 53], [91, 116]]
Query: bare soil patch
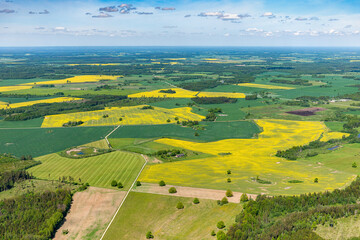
[[307, 111], [90, 213], [201, 193]]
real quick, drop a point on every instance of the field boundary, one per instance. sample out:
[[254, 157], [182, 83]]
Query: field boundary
[[127, 193]]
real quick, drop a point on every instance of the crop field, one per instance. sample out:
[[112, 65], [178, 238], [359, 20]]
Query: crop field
[[30, 103], [77, 79], [143, 212], [333, 135], [214, 131], [13, 88], [265, 86], [249, 158], [128, 115], [182, 93], [32, 123], [41, 141], [98, 171]]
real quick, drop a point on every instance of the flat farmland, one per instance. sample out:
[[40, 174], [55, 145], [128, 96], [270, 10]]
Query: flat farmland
[[124, 116], [41, 141], [143, 212], [98, 171], [30, 103], [249, 159], [183, 93]]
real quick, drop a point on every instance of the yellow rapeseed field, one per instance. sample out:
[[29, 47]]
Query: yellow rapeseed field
[[94, 64], [130, 116], [333, 135], [13, 88], [77, 79], [29, 103], [255, 85], [182, 93], [249, 158]]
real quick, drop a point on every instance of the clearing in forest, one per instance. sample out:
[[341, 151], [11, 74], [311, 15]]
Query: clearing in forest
[[135, 115], [182, 93], [30, 103], [253, 164]]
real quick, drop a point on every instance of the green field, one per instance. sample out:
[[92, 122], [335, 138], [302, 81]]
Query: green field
[[346, 228], [335, 126], [143, 212], [214, 131], [41, 141], [148, 146], [98, 171], [22, 124]]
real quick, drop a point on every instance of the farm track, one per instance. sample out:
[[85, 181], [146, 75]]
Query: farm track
[[127, 193]]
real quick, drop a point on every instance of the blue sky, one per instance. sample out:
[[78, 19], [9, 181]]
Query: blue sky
[[180, 23]]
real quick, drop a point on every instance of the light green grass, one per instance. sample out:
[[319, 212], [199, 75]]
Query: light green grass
[[143, 212], [335, 126], [22, 124], [346, 228], [98, 171]]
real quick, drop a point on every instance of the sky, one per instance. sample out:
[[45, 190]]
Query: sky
[[180, 23]]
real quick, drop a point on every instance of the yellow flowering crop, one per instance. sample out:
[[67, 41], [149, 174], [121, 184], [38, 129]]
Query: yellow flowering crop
[[255, 85], [13, 88], [29, 103], [129, 115], [333, 135], [249, 158], [93, 64], [77, 79], [182, 93]]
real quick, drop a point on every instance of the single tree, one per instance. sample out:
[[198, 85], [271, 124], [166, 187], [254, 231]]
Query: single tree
[[354, 165], [162, 183], [228, 172], [213, 233], [244, 198], [149, 235], [220, 225], [113, 183], [120, 185], [224, 201], [316, 180], [196, 201], [138, 183], [172, 190], [229, 193], [180, 205], [229, 180]]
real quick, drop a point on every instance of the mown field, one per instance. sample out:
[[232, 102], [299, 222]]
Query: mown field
[[249, 159], [213, 131], [41, 141], [124, 116], [143, 212], [98, 171]]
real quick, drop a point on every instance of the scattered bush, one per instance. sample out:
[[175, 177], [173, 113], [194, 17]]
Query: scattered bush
[[229, 193], [196, 201], [220, 225], [172, 190], [162, 183], [354, 165], [180, 205], [65, 231], [120, 185], [113, 183], [149, 235], [138, 183], [221, 235], [244, 198], [228, 172], [213, 233], [316, 180], [229, 180]]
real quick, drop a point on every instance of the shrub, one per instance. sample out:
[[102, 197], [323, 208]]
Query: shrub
[[221, 235], [224, 201], [162, 183], [196, 201], [113, 183], [172, 190], [229, 180], [229, 193], [316, 180], [120, 185], [220, 225], [213, 233], [244, 198], [149, 235], [228, 172], [168, 120], [180, 205], [196, 134], [65, 231], [138, 183], [354, 165]]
